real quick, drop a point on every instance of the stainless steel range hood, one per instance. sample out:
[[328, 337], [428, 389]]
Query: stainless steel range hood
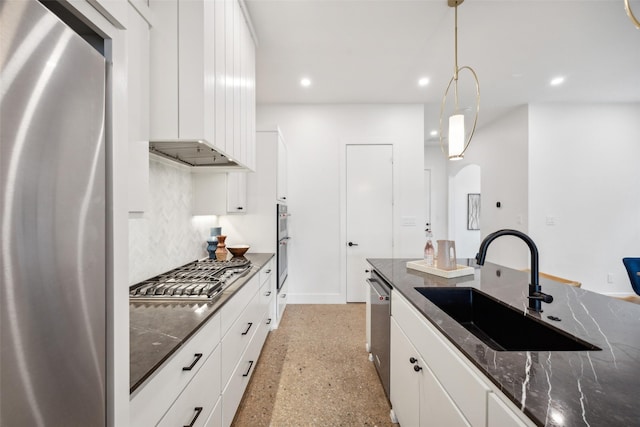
[[192, 153]]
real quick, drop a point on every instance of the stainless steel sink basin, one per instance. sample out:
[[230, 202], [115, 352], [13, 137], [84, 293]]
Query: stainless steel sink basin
[[499, 326]]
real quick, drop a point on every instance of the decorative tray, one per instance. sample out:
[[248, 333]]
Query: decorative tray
[[421, 265]]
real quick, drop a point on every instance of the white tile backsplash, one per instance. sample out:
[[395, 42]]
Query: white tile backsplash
[[167, 235]]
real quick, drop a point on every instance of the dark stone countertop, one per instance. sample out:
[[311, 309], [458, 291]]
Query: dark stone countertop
[[158, 329], [554, 388]]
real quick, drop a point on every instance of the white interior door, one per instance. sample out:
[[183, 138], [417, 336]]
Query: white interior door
[[427, 196], [369, 196]]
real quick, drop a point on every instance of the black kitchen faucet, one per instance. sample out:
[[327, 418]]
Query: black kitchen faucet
[[535, 294]]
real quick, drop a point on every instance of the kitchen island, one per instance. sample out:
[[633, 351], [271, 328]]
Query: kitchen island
[[565, 388]]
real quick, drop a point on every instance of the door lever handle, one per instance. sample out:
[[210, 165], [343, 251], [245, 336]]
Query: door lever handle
[[352, 244]]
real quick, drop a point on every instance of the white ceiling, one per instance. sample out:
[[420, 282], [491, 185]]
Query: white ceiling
[[374, 51]]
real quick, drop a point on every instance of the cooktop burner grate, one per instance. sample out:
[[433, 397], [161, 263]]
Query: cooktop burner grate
[[201, 280]]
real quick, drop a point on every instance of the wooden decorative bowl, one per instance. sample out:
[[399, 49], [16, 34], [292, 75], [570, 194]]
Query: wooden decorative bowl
[[238, 250]]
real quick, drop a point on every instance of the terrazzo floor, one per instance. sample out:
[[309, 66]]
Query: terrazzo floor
[[314, 371]]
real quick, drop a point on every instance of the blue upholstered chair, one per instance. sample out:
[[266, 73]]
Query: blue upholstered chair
[[633, 268]]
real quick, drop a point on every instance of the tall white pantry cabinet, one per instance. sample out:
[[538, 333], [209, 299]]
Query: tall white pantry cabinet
[[137, 39]]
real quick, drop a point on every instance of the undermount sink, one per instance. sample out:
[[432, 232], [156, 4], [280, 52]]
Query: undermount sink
[[499, 326]]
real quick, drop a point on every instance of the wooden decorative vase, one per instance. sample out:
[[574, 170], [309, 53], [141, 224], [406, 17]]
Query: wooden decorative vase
[[221, 251]]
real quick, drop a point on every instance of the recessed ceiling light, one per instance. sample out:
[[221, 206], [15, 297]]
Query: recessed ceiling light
[[305, 82], [423, 81], [433, 133], [557, 81]]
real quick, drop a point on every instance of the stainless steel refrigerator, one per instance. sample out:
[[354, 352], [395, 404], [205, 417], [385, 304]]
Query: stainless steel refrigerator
[[52, 207]]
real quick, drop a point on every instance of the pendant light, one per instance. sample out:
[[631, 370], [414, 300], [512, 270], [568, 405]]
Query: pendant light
[[633, 18], [458, 138]]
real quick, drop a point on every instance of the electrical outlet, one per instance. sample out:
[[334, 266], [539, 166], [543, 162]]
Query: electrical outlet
[[610, 277]]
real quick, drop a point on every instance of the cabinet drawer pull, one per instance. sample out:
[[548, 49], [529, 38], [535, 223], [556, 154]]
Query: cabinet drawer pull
[[267, 294], [268, 321], [268, 271], [417, 368], [283, 296], [412, 360], [248, 327], [198, 410], [246, 374], [239, 208], [190, 367]]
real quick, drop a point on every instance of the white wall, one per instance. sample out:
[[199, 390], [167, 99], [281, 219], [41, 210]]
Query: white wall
[[436, 162], [316, 136], [585, 172], [500, 149], [466, 181]]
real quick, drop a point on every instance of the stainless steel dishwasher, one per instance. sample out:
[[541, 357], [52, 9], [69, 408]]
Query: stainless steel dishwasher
[[380, 299]]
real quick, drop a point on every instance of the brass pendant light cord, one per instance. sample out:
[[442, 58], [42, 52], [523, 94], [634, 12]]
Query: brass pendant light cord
[[455, 71], [455, 46]]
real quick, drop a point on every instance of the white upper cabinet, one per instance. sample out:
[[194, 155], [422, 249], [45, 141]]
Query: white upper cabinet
[[115, 11], [282, 169], [203, 76], [163, 76], [196, 59], [219, 193], [236, 192], [273, 164], [220, 73]]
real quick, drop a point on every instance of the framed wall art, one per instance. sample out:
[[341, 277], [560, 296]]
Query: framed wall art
[[473, 211]]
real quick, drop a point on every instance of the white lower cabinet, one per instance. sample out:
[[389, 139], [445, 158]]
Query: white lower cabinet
[[433, 384], [268, 293], [405, 382], [232, 394], [151, 402], [282, 301], [458, 378], [233, 309], [203, 382], [243, 341], [500, 415], [215, 419], [417, 397], [438, 408], [196, 402], [239, 336]]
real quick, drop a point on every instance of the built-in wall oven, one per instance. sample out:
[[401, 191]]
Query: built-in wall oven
[[283, 243]]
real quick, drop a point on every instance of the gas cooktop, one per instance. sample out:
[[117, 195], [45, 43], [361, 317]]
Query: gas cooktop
[[201, 280]]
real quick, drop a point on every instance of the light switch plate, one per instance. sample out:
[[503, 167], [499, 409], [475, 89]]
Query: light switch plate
[[408, 221]]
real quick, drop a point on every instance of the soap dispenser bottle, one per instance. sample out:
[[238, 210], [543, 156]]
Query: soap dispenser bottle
[[429, 250]]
